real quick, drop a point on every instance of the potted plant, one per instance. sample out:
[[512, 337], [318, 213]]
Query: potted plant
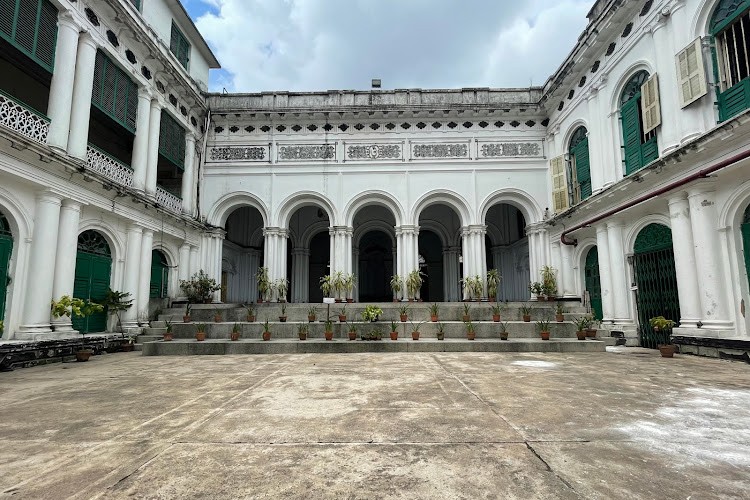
[[186, 317], [217, 316], [329, 329], [471, 333], [397, 284], [441, 331], [352, 331], [235, 335], [282, 317], [504, 330], [326, 285], [264, 284], [413, 284], [342, 315], [250, 316], [302, 330], [661, 324], [168, 334], [403, 313], [536, 289], [493, 281], [281, 286], [394, 330], [266, 331], [375, 334], [338, 286], [582, 325], [116, 302], [467, 313], [371, 314], [543, 326], [200, 332], [549, 281], [591, 329], [434, 310], [526, 312], [312, 314], [349, 281], [496, 312], [200, 288], [79, 308], [129, 344], [415, 330], [559, 313], [477, 287]]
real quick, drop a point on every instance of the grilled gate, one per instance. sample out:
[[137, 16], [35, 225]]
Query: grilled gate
[[593, 285], [656, 278]]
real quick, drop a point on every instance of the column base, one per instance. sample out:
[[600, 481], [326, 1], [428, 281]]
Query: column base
[[50, 335], [128, 324], [705, 331], [689, 323]]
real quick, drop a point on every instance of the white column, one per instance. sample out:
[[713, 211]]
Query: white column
[[568, 270], [466, 251], [36, 312], [152, 156], [283, 240], [684, 260], [533, 257], [300, 274], [65, 261], [82, 90], [194, 260], [450, 274], [400, 253], [605, 273], [188, 176], [183, 270], [132, 274], [139, 161], [620, 288], [703, 219], [61, 88], [144, 276]]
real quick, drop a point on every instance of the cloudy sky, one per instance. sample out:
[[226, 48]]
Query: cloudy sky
[[341, 44]]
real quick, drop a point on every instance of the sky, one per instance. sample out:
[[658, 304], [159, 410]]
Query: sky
[[309, 45]]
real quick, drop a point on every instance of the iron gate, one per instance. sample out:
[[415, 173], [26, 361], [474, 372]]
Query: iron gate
[[593, 284]]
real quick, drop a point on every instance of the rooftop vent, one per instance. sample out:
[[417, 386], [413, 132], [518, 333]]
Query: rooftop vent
[[376, 83]]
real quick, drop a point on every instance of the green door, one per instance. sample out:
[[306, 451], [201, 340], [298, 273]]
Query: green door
[[656, 279], [92, 278], [6, 249], [159, 275], [745, 228], [593, 285]]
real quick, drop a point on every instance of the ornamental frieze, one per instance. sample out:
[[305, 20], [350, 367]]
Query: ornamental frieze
[[374, 152], [510, 150], [239, 153], [430, 151], [306, 152]]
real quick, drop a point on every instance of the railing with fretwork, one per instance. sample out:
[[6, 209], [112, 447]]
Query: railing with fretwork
[[23, 119], [168, 200], [100, 162]]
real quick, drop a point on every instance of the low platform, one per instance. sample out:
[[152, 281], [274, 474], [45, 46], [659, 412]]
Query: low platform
[[736, 349], [184, 347]]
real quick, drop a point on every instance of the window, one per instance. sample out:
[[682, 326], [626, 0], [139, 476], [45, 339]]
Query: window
[[579, 164], [31, 27], [172, 140], [640, 148], [730, 29], [559, 184], [159, 275], [179, 46], [114, 92], [137, 4]]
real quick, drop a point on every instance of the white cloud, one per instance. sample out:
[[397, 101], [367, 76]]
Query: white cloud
[[342, 44]]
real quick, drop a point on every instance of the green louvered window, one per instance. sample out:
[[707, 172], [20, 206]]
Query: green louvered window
[[579, 161], [639, 149], [179, 46], [137, 4], [172, 140], [31, 27], [730, 29], [114, 93]]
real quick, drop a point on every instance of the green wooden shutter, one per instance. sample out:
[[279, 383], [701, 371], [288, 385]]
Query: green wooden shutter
[[172, 140], [159, 275], [92, 279], [6, 248], [81, 286], [31, 27], [631, 134], [114, 92], [179, 46], [583, 167], [593, 282], [745, 246], [734, 100]]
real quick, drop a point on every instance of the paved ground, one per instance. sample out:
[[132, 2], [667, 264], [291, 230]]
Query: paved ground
[[622, 424]]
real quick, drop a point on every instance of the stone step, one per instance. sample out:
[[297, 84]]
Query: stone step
[[148, 337], [154, 330]]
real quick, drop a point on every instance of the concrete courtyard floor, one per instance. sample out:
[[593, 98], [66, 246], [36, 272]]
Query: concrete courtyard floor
[[620, 424]]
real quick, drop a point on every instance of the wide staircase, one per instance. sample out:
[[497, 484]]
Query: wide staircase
[[522, 336]]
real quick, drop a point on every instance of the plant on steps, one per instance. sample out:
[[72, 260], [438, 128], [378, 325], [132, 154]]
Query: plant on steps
[[413, 284], [188, 308], [467, 313], [282, 317], [342, 315], [504, 330], [250, 310], [264, 284], [397, 284], [526, 312], [470, 331], [200, 332], [326, 285], [415, 329], [495, 312], [403, 313], [217, 316], [199, 288], [352, 332], [493, 281], [394, 330], [559, 313], [312, 314], [266, 331], [582, 324], [441, 331], [549, 281], [329, 329], [371, 313], [235, 335], [349, 281], [168, 334], [543, 326], [434, 311], [302, 331]]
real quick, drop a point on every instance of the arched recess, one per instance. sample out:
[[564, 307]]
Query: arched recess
[[440, 255], [373, 251], [656, 281], [300, 200], [580, 164], [443, 197], [520, 199], [228, 203], [374, 197], [93, 274], [303, 225], [243, 248], [6, 251], [159, 287], [745, 232], [592, 282], [17, 222], [509, 250], [639, 148]]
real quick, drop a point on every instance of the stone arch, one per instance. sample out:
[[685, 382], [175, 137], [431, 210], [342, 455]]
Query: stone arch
[[225, 205], [635, 229], [373, 197], [373, 225], [303, 199], [310, 233], [116, 246], [702, 18], [449, 198], [633, 69], [171, 255], [732, 211], [18, 219], [518, 198], [442, 232]]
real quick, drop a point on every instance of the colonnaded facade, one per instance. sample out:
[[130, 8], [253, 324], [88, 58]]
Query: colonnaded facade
[[627, 172]]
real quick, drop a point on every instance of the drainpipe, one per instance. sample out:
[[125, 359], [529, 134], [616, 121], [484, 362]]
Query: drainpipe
[[701, 174]]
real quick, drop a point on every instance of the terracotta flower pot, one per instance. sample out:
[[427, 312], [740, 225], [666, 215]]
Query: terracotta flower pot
[[466, 318], [496, 318], [217, 318], [84, 355], [441, 336], [250, 319], [394, 335], [415, 335], [559, 318], [128, 347], [492, 298], [352, 335], [302, 336], [403, 318], [282, 319], [666, 350], [338, 301], [349, 301], [311, 318], [186, 319], [545, 335], [503, 335], [329, 335], [471, 335], [591, 332], [526, 318], [581, 334], [266, 336], [200, 336], [342, 318], [168, 336], [433, 318], [234, 336]]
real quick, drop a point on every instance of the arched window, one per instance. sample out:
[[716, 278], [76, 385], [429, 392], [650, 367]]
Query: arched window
[[92, 278], [730, 27], [159, 275], [580, 168], [640, 148]]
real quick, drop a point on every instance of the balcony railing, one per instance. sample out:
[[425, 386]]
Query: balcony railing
[[23, 119], [99, 161], [168, 200]]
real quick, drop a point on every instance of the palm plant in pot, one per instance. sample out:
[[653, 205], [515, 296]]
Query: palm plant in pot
[[250, 310], [471, 333], [352, 332], [217, 316], [543, 326], [493, 281], [349, 281], [591, 330], [441, 331], [329, 329], [549, 281], [78, 308], [661, 324], [496, 313], [504, 330], [415, 330], [116, 302], [526, 312], [188, 308], [582, 325], [338, 286], [282, 287], [403, 313], [394, 330], [434, 311], [264, 284], [326, 285], [302, 331], [168, 334], [413, 284], [266, 331], [467, 313], [342, 315], [235, 335], [397, 284], [200, 332], [312, 314], [282, 317], [559, 313]]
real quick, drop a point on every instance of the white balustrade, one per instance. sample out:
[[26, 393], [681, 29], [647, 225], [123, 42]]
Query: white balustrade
[[23, 120], [168, 200], [107, 166]]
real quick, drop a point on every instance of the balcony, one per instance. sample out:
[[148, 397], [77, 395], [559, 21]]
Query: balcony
[[23, 119], [167, 200], [102, 163]]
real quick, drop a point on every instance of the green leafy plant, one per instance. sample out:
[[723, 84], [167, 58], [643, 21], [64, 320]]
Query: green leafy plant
[[493, 281], [116, 302], [74, 307], [281, 286], [549, 280], [338, 283], [536, 288], [188, 308], [264, 282], [168, 324], [353, 328], [250, 309], [413, 283], [434, 309], [201, 327], [236, 328], [661, 323], [582, 323], [559, 309], [543, 325], [371, 313], [416, 326], [394, 326], [526, 310], [199, 288], [495, 309], [266, 327], [329, 325], [348, 283], [326, 285], [302, 329], [312, 311], [397, 284], [504, 326], [403, 310]]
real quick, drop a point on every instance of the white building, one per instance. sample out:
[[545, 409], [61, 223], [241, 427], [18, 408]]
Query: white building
[[626, 172]]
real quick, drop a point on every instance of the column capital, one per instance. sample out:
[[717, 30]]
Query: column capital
[[702, 187], [189, 136], [49, 196], [678, 197], [217, 233], [144, 92], [601, 229], [134, 228], [271, 231], [615, 223], [66, 19], [477, 228], [406, 229], [156, 104], [73, 205], [300, 252], [86, 38], [148, 232]]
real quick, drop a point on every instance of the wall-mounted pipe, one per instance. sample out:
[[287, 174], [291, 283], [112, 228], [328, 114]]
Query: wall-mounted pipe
[[701, 174]]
